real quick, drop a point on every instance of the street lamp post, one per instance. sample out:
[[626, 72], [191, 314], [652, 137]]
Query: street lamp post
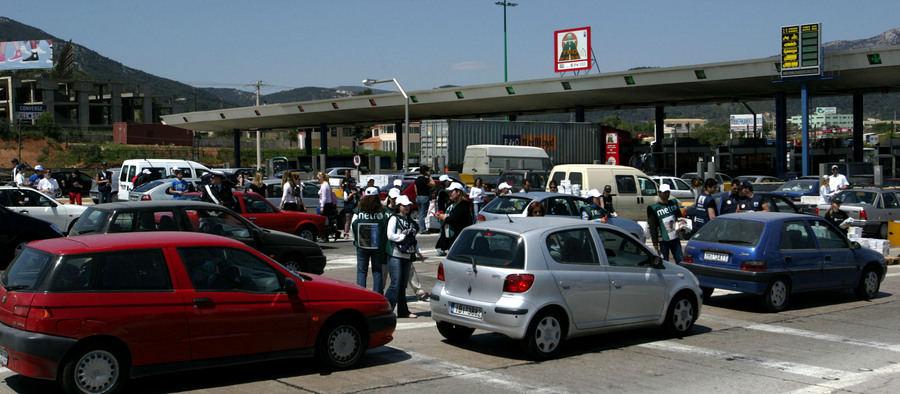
[[370, 82], [505, 4]]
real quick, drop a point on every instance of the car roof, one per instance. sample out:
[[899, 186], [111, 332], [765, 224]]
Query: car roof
[[766, 216], [537, 195], [515, 224], [123, 205], [128, 241]]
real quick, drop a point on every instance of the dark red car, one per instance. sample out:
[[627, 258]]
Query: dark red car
[[262, 213], [93, 311]]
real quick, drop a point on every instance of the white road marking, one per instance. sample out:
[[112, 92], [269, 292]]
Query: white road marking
[[480, 376]]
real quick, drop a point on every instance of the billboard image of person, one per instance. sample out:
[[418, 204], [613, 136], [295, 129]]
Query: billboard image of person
[[21, 55]]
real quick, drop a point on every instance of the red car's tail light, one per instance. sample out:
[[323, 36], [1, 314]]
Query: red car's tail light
[[863, 215], [34, 313], [481, 218], [687, 258], [753, 265], [817, 210], [146, 197], [440, 275], [518, 283]]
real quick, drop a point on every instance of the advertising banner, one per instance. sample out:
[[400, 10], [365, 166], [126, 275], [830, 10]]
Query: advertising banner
[[21, 55], [573, 49], [612, 148], [745, 122], [29, 112]]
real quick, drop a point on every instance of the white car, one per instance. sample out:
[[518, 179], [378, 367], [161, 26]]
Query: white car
[[680, 188], [28, 201]]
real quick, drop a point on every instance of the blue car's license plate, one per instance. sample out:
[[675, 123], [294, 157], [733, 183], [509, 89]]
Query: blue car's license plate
[[718, 257]]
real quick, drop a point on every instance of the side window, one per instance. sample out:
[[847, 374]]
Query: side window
[[229, 269], [123, 222], [626, 184], [558, 177], [795, 235], [74, 274], [572, 247], [132, 270], [681, 185], [667, 181], [890, 200], [576, 178], [256, 205], [648, 188], [579, 205], [187, 172], [310, 191], [779, 205], [558, 206], [35, 199], [828, 237], [622, 250]]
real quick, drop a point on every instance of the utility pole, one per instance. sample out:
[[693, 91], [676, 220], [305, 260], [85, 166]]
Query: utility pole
[[258, 84], [505, 62]]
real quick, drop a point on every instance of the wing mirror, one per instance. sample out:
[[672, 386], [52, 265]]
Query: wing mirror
[[855, 245], [290, 287], [657, 262]]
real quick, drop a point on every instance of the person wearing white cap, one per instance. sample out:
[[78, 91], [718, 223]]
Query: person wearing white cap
[[458, 217], [217, 191], [36, 177], [661, 221], [441, 194], [593, 211], [837, 181], [504, 188], [401, 231], [369, 224]]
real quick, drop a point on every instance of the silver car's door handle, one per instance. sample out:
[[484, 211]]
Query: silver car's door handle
[[565, 284], [618, 283]]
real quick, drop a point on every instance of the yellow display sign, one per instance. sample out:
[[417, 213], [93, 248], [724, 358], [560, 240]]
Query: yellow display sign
[[801, 46]]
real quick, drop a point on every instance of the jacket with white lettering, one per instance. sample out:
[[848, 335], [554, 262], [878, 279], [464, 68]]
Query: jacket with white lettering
[[660, 216]]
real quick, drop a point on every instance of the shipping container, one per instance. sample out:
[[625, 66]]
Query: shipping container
[[151, 134], [444, 141]]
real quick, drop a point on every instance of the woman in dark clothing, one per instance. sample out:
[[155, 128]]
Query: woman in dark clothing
[[457, 217]]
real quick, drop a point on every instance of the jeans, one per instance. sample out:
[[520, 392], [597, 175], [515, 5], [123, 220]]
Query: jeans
[[476, 209], [396, 291], [422, 202], [363, 256], [105, 196], [673, 246]]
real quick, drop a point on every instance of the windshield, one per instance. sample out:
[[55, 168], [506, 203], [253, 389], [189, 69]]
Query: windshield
[[857, 197], [26, 271], [731, 231], [507, 205], [147, 186], [797, 186], [488, 248], [91, 221]]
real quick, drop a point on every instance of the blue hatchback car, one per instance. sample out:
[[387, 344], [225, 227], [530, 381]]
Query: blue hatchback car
[[776, 254]]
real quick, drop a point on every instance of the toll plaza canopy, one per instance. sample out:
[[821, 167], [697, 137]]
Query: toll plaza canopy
[[850, 72]]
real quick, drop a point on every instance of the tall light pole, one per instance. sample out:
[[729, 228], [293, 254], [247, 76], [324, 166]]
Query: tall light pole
[[505, 4], [370, 82]]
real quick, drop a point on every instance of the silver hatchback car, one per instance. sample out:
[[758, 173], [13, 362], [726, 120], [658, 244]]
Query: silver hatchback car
[[545, 280]]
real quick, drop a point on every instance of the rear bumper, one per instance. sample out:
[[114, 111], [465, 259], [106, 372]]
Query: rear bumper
[[33, 354], [509, 316], [731, 279]]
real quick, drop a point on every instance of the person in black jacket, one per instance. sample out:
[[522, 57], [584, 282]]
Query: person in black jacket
[[457, 217], [218, 191]]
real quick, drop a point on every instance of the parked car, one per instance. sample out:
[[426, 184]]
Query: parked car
[[870, 208], [114, 183], [762, 183], [310, 194], [261, 212], [516, 178], [295, 253], [28, 201], [774, 255], [892, 182], [776, 203], [723, 179], [680, 189], [121, 306], [154, 191], [556, 204], [798, 188], [17, 229], [546, 280]]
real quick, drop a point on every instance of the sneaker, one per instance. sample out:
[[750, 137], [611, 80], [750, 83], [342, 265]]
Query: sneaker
[[32, 58]]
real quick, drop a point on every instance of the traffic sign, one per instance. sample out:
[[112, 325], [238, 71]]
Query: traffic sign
[[801, 49], [29, 112], [357, 160]]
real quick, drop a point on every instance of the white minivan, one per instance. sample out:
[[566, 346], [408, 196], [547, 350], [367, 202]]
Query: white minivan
[[494, 159], [632, 190], [159, 169]]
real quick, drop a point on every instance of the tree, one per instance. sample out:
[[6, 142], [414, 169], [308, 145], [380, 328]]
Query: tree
[[714, 134]]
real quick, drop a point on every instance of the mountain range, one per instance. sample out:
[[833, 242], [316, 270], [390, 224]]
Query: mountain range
[[90, 65]]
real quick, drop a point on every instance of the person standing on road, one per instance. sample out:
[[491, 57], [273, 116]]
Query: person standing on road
[[730, 201], [836, 215], [606, 201], [825, 194], [19, 177], [288, 195], [662, 218], [391, 208], [257, 186], [838, 181], [47, 184], [401, 231], [476, 195], [351, 201], [104, 184], [423, 185], [458, 217], [218, 191], [179, 186], [751, 202], [17, 168], [369, 226], [35, 178], [76, 188], [705, 204], [593, 211]]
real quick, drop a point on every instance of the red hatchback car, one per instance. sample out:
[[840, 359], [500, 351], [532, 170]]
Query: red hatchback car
[[262, 213], [93, 311]]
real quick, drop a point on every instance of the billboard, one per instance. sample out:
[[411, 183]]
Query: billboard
[[573, 49], [826, 110], [21, 55], [745, 122], [801, 48]]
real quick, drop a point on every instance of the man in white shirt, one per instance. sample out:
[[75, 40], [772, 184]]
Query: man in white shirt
[[19, 179], [47, 184], [837, 181]]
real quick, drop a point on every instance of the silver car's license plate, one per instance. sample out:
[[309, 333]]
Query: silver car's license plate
[[465, 310], [712, 256]]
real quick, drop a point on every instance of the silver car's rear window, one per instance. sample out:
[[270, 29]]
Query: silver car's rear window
[[489, 248], [507, 205], [731, 231]]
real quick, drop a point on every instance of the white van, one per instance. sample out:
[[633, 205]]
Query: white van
[[632, 190], [159, 169], [494, 159]]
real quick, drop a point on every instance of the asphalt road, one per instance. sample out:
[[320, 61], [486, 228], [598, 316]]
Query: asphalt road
[[826, 342]]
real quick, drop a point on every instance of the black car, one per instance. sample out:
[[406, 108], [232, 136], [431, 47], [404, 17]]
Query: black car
[[295, 253], [17, 229], [777, 203]]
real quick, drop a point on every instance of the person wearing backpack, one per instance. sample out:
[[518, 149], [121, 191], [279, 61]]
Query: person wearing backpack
[[369, 225], [401, 231], [288, 194]]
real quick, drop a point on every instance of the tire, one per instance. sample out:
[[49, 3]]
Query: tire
[[292, 263], [307, 232], [776, 296], [883, 231], [95, 368], [680, 316], [341, 343], [454, 332], [544, 337], [707, 292], [869, 284]]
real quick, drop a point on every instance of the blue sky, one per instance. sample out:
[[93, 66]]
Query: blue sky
[[424, 43]]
